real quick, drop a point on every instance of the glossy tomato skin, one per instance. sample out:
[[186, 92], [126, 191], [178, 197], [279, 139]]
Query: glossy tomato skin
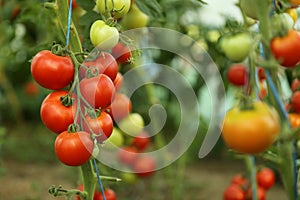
[[237, 74], [251, 130], [99, 91], [73, 149], [121, 52], [265, 178], [101, 125], [105, 64], [234, 192], [118, 82], [109, 195], [285, 49], [51, 71], [120, 107], [56, 116], [294, 120]]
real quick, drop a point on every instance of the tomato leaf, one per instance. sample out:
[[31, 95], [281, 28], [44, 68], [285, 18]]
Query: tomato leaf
[[88, 18], [150, 7], [86, 4]]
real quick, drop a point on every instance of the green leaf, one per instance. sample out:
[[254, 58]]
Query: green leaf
[[88, 18], [86, 4], [149, 7]]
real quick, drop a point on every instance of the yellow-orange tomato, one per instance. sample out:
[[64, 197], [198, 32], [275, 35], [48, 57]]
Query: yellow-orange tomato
[[292, 12], [251, 131], [295, 3], [294, 120]]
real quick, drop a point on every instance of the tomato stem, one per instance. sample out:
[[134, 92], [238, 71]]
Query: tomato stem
[[89, 179]]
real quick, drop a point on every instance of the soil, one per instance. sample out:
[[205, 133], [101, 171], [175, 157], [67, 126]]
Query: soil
[[205, 180]]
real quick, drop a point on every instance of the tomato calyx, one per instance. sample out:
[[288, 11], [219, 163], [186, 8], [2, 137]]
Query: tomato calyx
[[59, 50], [60, 191], [67, 100], [73, 128], [246, 103]]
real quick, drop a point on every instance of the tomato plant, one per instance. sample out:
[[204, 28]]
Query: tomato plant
[[74, 149], [121, 52], [52, 71], [58, 111], [100, 124], [132, 124], [265, 178], [284, 48], [116, 139], [251, 130], [135, 18], [104, 64], [261, 194], [103, 36], [118, 82], [109, 195], [98, 91]]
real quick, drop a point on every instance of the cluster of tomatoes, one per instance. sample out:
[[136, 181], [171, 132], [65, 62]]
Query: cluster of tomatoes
[[240, 187], [109, 194], [293, 106]]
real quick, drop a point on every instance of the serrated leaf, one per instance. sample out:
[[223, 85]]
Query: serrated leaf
[[86, 4], [149, 7], [88, 18]]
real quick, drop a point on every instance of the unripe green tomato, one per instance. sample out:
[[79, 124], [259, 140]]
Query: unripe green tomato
[[118, 8], [236, 47], [132, 125], [116, 139], [103, 36], [129, 177], [135, 18], [249, 8]]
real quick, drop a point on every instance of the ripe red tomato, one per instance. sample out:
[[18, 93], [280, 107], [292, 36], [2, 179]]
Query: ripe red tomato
[[74, 149], [81, 188], [237, 74], [234, 192], [295, 85], [118, 82], [285, 49], [265, 178], [101, 125], [109, 195], [144, 166], [121, 53], [51, 71], [261, 194], [141, 141], [295, 101], [127, 155], [120, 107], [98, 91], [261, 74], [105, 63], [54, 114], [251, 130]]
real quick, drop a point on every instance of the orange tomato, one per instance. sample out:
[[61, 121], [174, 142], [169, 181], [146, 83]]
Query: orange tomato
[[251, 131], [294, 120]]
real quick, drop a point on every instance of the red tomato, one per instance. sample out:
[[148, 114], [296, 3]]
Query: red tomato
[[144, 166], [295, 85], [118, 82], [127, 155], [120, 107], [121, 53], [51, 71], [101, 125], [74, 149], [234, 192], [261, 194], [98, 91], [105, 63], [54, 114], [237, 74], [285, 49], [109, 195], [141, 141], [295, 101], [265, 178], [261, 74]]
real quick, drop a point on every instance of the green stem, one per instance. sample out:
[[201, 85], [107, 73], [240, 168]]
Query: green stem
[[89, 179], [250, 164]]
